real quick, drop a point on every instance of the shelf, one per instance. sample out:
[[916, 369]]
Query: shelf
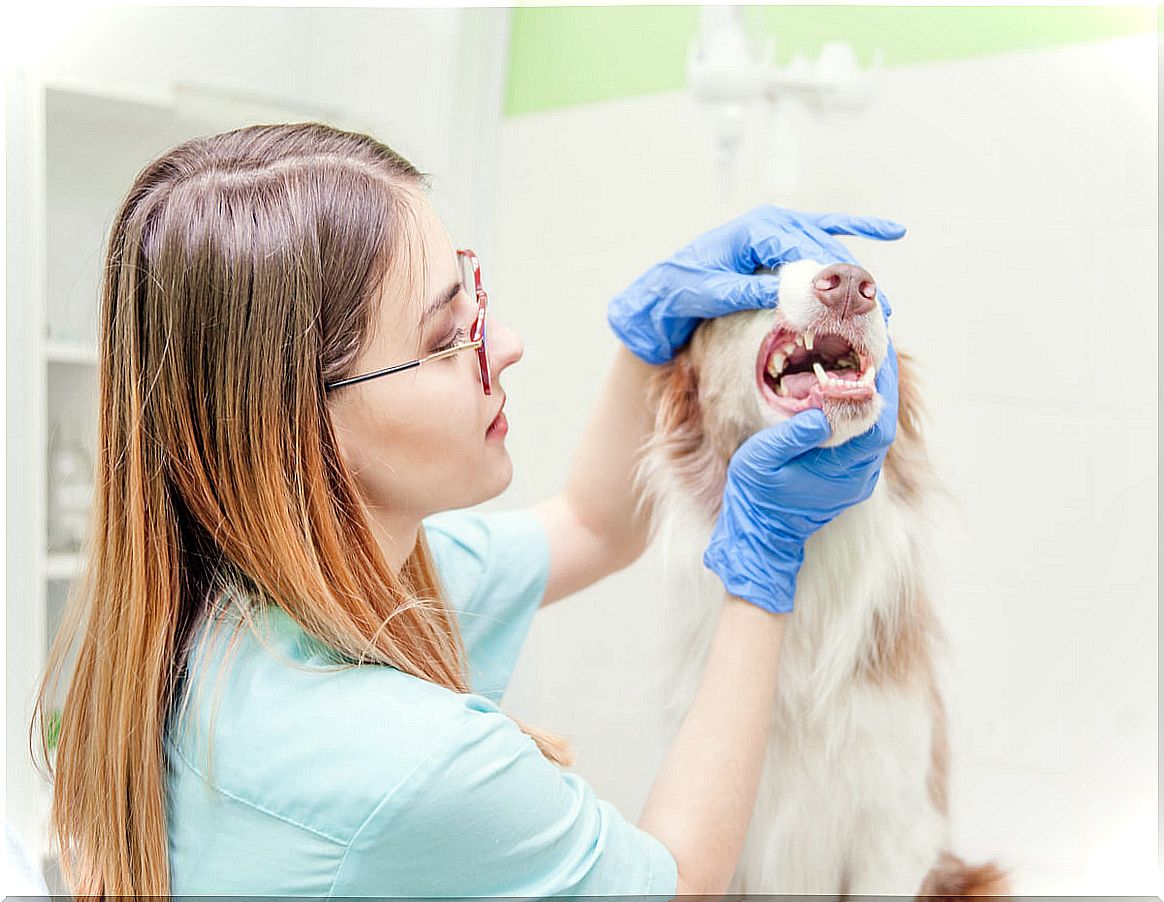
[[56, 351]]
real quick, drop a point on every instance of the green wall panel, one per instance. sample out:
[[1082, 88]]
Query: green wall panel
[[560, 56], [565, 55]]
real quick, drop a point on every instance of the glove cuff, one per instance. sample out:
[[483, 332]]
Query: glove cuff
[[645, 347], [772, 590]]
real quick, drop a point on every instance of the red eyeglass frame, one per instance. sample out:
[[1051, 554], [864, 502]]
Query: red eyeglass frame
[[476, 339]]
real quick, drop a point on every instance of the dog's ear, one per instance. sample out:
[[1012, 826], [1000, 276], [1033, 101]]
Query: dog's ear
[[905, 462], [909, 404], [678, 420], [679, 442]]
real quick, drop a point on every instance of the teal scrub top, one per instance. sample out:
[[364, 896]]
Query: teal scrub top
[[372, 782]]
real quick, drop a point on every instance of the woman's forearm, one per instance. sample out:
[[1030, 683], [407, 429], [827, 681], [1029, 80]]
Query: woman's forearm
[[600, 487], [701, 802]]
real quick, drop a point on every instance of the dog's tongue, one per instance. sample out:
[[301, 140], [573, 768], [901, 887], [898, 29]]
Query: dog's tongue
[[798, 385]]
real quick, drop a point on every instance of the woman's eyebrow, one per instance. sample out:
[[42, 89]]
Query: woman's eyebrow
[[442, 301]]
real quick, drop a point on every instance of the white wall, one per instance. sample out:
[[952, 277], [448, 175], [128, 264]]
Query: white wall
[[401, 74], [1027, 289]]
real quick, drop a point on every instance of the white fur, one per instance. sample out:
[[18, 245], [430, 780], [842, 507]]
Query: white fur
[[843, 805]]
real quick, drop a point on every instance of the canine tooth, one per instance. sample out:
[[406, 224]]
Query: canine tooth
[[781, 390], [808, 340], [800, 341], [868, 375], [821, 377], [775, 364]]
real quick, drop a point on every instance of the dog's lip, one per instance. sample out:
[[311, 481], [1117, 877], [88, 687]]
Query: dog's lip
[[817, 396]]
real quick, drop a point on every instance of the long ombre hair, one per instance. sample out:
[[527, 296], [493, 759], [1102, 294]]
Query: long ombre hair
[[241, 275]]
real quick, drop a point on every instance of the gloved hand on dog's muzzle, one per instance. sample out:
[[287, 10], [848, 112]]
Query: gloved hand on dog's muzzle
[[714, 275], [781, 489]]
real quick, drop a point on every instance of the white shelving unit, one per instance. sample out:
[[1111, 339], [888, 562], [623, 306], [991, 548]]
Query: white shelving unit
[[73, 150]]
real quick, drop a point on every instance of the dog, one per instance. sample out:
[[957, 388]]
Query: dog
[[853, 796]]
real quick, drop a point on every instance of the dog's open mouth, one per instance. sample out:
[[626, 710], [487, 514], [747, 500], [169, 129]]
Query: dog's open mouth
[[800, 370]]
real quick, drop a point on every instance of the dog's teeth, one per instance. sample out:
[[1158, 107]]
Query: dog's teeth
[[789, 348], [775, 364], [868, 376], [781, 390], [807, 340], [821, 376], [800, 341]]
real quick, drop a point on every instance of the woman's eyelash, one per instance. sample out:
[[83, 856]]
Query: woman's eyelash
[[458, 336]]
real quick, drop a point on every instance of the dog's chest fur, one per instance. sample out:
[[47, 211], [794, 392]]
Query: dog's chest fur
[[858, 733]]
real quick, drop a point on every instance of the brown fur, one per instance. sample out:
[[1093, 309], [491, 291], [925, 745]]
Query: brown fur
[[901, 652], [905, 463], [674, 392], [952, 878], [938, 781]]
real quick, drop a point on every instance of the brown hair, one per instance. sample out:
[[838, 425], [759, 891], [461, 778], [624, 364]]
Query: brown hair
[[241, 274]]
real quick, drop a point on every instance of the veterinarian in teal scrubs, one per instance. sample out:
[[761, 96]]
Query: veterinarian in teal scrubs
[[302, 614]]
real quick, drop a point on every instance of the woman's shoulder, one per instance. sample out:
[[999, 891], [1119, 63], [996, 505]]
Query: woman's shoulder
[[477, 549], [308, 741]]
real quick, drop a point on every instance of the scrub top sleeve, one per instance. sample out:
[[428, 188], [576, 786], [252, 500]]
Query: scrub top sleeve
[[488, 815], [494, 566]]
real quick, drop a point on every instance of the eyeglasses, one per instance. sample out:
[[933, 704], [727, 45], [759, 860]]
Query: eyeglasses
[[471, 282]]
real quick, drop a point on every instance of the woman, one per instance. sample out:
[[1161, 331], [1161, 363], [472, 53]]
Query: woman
[[275, 692]]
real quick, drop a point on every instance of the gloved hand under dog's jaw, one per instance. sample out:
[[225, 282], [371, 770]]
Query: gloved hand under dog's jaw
[[782, 486], [880, 435]]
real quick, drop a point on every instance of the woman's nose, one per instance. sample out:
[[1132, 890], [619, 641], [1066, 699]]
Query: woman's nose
[[503, 347]]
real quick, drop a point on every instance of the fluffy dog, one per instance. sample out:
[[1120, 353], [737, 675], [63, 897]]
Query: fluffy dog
[[853, 795]]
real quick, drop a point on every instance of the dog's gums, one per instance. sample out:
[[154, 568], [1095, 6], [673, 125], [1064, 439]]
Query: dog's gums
[[797, 371]]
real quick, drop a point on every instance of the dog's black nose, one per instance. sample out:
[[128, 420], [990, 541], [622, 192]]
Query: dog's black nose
[[845, 288]]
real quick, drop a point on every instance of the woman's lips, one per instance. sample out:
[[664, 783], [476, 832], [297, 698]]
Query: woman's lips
[[499, 426]]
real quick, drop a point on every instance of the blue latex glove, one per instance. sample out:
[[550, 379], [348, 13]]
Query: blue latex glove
[[781, 489], [713, 275]]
